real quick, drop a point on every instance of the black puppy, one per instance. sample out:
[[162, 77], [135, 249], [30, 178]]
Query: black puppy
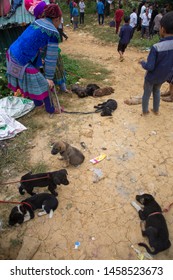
[[90, 88], [50, 179], [155, 227], [106, 108], [25, 211]]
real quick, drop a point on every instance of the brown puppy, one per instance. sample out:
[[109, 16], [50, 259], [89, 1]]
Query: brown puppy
[[71, 154], [103, 91]]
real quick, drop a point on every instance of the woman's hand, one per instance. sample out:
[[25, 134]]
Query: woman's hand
[[51, 83]]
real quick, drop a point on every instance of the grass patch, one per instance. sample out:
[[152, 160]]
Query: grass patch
[[39, 167], [14, 153], [77, 69]]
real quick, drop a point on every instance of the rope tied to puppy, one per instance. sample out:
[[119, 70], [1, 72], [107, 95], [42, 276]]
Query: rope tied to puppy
[[21, 181], [16, 202], [167, 208]]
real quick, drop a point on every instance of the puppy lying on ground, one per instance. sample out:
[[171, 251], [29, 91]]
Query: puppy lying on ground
[[106, 108], [103, 91], [71, 154], [155, 227], [80, 91], [25, 211], [90, 88], [135, 100], [39, 180]]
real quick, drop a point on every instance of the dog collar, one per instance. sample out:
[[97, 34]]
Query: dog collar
[[26, 203], [155, 213]]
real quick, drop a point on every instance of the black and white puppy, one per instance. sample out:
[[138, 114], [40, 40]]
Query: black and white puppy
[[50, 179], [154, 224], [25, 211]]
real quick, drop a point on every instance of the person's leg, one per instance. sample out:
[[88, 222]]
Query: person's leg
[[146, 96], [80, 18], [117, 26], [147, 32], [142, 31], [103, 19], [99, 18], [64, 35], [156, 98], [49, 107], [38, 103]]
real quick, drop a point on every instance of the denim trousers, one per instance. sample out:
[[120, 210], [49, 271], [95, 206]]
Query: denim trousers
[[148, 89]]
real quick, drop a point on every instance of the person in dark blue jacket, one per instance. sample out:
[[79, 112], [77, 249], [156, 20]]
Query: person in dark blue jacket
[[159, 65], [126, 33], [100, 10]]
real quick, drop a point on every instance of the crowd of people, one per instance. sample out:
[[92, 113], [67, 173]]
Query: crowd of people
[[35, 65]]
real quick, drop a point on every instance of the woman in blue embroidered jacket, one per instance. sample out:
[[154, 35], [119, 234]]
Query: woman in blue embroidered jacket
[[25, 51]]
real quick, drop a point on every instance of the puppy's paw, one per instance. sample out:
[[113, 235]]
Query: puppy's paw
[[51, 214], [136, 206], [60, 158], [41, 213], [142, 225]]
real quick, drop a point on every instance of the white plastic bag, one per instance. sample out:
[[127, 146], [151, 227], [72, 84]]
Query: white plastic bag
[[9, 127], [16, 107]]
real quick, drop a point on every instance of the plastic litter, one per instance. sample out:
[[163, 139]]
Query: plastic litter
[[98, 159], [83, 145], [97, 175], [77, 244], [142, 256]]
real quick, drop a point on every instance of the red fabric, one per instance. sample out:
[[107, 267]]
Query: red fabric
[[119, 14], [52, 11], [4, 7]]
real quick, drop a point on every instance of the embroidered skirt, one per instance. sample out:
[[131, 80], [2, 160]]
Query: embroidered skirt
[[32, 85]]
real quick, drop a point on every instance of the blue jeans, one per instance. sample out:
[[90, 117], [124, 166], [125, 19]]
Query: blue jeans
[[148, 89]]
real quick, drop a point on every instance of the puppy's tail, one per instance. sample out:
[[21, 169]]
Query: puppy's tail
[[21, 191], [152, 252], [147, 248]]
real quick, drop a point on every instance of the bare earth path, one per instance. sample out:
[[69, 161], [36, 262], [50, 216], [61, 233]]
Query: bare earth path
[[139, 159]]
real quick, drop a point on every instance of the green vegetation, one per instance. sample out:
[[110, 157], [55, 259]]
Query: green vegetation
[[14, 153], [75, 70]]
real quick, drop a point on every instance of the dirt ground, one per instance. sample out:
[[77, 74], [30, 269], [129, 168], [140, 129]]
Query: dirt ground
[[139, 159]]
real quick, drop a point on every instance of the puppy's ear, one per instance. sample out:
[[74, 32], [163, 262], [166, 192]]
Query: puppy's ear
[[148, 198], [65, 171], [56, 180]]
